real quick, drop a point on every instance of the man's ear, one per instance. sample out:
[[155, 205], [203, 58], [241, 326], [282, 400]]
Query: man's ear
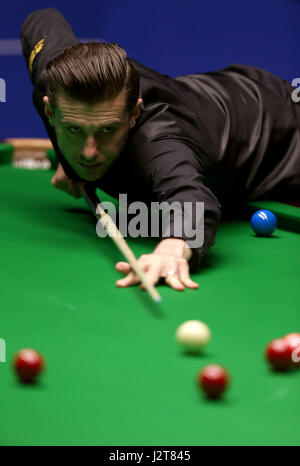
[[135, 113], [49, 110]]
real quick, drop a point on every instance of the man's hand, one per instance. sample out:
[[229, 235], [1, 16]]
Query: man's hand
[[168, 261], [61, 181]]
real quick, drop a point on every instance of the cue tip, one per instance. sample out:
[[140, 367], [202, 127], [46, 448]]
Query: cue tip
[[158, 300]]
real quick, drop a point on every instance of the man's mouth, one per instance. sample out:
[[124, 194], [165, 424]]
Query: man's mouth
[[90, 165]]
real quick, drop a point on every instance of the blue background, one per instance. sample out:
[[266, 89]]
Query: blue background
[[174, 37]]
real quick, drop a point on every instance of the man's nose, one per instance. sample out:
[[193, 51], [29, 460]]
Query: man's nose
[[90, 148]]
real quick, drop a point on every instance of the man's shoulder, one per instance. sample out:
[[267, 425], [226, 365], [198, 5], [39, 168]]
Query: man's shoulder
[[146, 71]]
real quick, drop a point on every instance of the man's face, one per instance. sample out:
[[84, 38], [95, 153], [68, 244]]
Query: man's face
[[91, 137]]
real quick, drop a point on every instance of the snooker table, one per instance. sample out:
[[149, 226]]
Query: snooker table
[[115, 375]]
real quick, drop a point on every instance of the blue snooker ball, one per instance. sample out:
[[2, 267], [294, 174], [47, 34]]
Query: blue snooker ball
[[263, 222]]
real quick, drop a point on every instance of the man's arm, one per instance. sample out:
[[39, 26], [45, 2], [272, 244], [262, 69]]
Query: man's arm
[[45, 34], [177, 174]]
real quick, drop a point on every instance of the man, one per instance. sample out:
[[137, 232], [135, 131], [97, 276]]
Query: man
[[219, 138]]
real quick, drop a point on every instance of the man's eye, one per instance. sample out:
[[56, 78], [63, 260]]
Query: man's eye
[[74, 129], [107, 130]]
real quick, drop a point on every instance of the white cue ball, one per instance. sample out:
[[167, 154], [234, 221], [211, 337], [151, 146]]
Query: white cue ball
[[193, 336]]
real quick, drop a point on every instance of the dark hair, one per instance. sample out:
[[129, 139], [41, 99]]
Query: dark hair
[[91, 72]]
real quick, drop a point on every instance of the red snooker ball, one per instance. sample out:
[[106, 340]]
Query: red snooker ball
[[28, 364], [278, 354], [213, 379], [293, 342], [291, 335]]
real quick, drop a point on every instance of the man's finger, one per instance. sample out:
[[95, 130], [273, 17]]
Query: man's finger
[[54, 180], [184, 276], [171, 276], [174, 282], [131, 279], [153, 275], [123, 267], [67, 185]]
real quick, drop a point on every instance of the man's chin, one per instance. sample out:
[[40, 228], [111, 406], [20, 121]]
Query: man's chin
[[90, 177]]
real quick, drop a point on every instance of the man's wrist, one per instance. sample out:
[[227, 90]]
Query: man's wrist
[[174, 247]]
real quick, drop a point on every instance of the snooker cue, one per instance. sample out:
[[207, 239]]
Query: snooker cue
[[93, 202]]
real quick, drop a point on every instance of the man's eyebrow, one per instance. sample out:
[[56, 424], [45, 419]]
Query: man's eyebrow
[[109, 123]]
